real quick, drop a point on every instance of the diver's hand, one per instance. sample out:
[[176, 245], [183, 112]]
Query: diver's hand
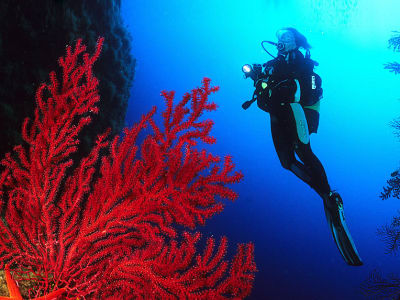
[[247, 104]]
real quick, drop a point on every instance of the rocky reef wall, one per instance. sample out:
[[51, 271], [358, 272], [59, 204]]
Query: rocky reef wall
[[33, 34]]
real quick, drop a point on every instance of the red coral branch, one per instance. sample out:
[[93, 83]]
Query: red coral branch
[[108, 226]]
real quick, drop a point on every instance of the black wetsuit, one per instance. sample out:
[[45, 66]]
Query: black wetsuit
[[290, 134]]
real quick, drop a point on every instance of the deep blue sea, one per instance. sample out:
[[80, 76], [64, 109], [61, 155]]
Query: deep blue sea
[[178, 42]]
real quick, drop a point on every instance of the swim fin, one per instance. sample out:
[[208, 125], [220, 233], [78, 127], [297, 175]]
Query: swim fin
[[333, 207]]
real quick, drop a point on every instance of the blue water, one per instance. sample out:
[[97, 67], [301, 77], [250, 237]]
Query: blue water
[[177, 43]]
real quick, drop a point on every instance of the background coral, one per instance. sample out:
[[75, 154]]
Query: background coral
[[377, 285], [393, 187]]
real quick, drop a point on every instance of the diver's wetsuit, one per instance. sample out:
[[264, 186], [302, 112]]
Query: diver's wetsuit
[[290, 125]]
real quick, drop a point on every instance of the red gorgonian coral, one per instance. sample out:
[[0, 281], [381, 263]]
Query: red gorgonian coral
[[107, 228]]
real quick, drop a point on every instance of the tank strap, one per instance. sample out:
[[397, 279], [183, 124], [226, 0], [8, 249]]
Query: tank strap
[[315, 106]]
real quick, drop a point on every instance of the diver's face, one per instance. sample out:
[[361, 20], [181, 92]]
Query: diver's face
[[286, 37]]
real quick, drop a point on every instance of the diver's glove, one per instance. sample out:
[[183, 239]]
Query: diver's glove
[[333, 206]]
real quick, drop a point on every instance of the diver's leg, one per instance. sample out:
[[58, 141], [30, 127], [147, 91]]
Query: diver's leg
[[297, 124], [284, 146], [300, 171], [319, 180], [289, 129], [333, 204]]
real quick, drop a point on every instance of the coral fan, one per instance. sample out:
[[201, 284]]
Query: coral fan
[[108, 227]]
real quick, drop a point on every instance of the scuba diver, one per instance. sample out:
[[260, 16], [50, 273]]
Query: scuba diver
[[290, 91]]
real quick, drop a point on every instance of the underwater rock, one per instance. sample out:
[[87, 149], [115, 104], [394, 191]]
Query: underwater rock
[[31, 37]]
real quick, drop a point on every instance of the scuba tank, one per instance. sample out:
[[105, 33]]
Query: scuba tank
[[310, 83]]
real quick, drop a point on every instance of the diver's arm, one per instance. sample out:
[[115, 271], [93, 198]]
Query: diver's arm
[[262, 104], [262, 93]]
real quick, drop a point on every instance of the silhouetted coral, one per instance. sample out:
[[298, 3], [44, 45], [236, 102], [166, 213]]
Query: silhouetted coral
[[390, 235], [379, 287], [394, 42], [393, 67], [393, 187]]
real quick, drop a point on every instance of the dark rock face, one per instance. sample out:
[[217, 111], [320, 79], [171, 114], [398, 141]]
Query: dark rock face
[[33, 34]]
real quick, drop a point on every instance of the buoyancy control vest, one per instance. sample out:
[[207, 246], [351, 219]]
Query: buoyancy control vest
[[282, 74]]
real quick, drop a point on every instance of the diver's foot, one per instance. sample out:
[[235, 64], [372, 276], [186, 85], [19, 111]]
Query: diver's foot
[[333, 201], [333, 206]]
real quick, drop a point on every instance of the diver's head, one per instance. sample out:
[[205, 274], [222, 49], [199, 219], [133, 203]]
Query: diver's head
[[290, 39], [286, 41]]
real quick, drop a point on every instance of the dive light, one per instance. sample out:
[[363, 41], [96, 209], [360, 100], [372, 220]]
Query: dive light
[[253, 71], [247, 70]]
